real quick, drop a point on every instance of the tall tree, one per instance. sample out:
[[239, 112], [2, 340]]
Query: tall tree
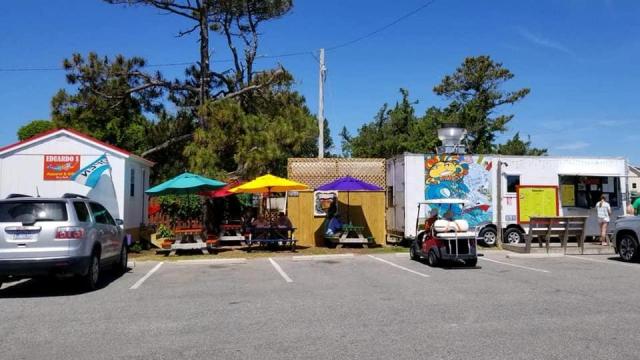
[[236, 20], [242, 143], [516, 146], [110, 100], [393, 131], [34, 128], [476, 94]]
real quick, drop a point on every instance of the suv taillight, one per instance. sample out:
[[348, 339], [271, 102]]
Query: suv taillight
[[69, 233]]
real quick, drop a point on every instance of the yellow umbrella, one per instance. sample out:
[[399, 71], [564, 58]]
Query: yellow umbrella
[[268, 183]]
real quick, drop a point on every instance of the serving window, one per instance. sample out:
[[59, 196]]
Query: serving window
[[585, 191]]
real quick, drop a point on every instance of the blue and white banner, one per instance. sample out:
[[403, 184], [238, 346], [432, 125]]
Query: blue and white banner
[[90, 174]]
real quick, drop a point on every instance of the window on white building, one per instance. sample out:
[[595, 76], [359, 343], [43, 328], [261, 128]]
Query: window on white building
[[513, 181], [132, 184]]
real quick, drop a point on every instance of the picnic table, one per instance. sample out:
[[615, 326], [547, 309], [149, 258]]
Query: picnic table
[[189, 239], [350, 234], [271, 236], [231, 232]]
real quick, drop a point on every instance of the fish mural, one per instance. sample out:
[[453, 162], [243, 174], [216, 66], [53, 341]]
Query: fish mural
[[460, 177]]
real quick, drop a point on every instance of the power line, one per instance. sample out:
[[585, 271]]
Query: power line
[[381, 29], [186, 63], [291, 54]]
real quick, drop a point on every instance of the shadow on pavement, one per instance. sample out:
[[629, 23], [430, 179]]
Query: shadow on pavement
[[52, 286]]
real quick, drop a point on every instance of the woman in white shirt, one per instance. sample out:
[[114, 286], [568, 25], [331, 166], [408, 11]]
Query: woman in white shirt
[[604, 213]]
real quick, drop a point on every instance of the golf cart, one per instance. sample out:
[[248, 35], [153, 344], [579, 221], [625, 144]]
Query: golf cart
[[440, 237]]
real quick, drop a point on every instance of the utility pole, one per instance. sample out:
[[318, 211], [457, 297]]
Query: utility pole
[[499, 204], [322, 77]]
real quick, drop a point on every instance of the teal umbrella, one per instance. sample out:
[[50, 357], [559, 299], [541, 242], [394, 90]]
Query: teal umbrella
[[186, 183]]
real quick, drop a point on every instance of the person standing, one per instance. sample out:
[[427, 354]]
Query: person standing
[[604, 214], [636, 206]]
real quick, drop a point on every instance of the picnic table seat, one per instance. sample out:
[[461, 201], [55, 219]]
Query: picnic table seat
[[342, 238], [271, 236]]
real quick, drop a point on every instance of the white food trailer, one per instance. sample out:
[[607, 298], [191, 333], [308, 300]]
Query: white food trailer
[[531, 186]]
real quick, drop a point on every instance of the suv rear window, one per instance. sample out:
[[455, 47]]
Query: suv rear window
[[26, 211]]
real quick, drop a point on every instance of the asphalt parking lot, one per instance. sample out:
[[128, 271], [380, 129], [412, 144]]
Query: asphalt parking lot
[[381, 306]]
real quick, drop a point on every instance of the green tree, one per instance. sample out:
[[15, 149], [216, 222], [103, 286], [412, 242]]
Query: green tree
[[476, 94], [516, 146], [34, 128], [243, 143], [393, 131], [110, 100], [238, 22]]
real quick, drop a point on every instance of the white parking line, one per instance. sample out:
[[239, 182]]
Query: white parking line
[[280, 271], [398, 266], [146, 276], [602, 261], [514, 265], [321, 257]]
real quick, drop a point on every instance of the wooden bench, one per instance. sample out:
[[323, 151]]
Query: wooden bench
[[560, 227]]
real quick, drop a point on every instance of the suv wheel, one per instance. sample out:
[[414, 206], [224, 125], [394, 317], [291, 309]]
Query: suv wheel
[[121, 266], [513, 236], [90, 280], [488, 236], [628, 248]]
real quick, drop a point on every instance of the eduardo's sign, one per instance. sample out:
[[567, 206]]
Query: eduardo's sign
[[60, 167]]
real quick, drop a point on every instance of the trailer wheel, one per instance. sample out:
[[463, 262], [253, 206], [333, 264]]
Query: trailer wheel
[[488, 236], [413, 252], [432, 258], [513, 236]]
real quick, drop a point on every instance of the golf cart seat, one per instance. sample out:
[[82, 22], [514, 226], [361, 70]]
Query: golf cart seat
[[457, 235], [445, 226]]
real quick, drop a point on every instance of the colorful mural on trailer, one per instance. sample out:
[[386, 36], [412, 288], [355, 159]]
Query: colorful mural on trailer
[[460, 177]]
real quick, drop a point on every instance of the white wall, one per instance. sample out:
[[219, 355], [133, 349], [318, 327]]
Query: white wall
[[136, 206], [546, 171], [532, 171], [21, 171]]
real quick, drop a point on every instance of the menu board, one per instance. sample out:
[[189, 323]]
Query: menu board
[[568, 195], [536, 201], [60, 167]]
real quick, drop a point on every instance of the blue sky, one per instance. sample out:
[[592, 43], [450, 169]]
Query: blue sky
[[579, 57]]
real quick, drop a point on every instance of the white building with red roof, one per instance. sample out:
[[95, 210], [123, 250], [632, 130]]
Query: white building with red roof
[[42, 166]]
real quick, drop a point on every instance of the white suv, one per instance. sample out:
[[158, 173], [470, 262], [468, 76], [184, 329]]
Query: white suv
[[71, 235]]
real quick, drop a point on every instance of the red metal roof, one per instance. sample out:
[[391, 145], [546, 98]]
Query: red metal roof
[[76, 133]]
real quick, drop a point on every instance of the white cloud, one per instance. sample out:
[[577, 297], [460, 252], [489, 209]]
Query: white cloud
[[577, 145], [543, 42]]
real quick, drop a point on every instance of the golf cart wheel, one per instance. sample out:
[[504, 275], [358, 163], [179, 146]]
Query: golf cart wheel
[[628, 247], [432, 258], [513, 236], [471, 262], [413, 252], [488, 236]]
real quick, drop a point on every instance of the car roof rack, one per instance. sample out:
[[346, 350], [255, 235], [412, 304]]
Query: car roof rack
[[13, 196], [73, 196]]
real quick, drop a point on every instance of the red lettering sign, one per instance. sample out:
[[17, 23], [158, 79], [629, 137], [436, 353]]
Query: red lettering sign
[[60, 167]]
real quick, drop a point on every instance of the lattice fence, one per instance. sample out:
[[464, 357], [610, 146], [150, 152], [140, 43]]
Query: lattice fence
[[315, 172]]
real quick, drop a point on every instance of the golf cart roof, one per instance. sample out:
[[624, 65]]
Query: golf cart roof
[[445, 201]]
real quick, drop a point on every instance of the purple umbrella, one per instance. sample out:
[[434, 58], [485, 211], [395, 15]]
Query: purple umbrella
[[348, 184]]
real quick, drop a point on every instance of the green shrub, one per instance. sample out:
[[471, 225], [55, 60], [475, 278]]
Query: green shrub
[[164, 232], [181, 207]]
